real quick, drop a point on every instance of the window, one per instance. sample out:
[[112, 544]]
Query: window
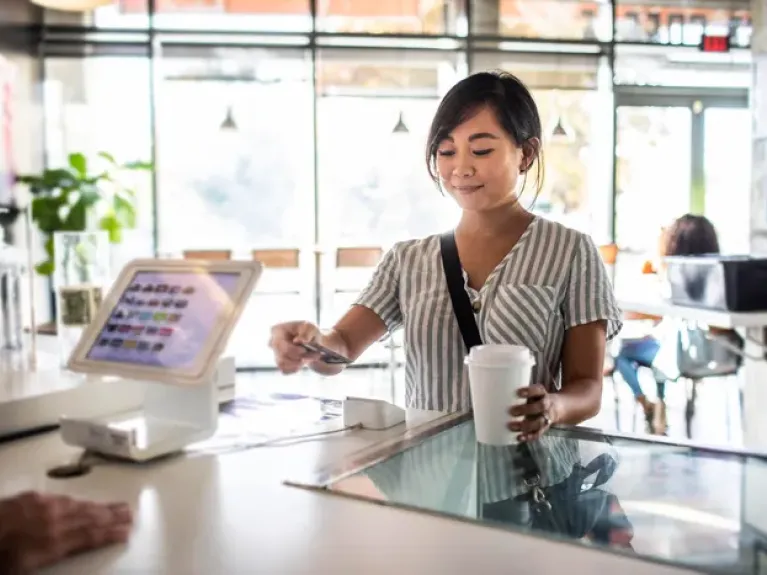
[[103, 105], [727, 164], [236, 171], [653, 155], [245, 15], [121, 14], [235, 147], [682, 67], [374, 111], [576, 112], [682, 23], [387, 16], [560, 19]]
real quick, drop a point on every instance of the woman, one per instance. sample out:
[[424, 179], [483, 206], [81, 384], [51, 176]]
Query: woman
[[688, 236], [532, 282]]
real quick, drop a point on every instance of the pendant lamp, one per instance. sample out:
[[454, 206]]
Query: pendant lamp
[[229, 125], [560, 132], [400, 127]]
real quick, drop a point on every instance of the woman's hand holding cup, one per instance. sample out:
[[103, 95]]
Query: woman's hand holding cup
[[533, 418]]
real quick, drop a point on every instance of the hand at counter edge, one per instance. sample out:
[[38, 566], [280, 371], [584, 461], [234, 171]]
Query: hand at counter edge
[[38, 530]]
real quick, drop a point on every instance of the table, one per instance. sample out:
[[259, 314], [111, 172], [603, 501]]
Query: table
[[754, 371], [232, 514], [654, 305], [35, 396]]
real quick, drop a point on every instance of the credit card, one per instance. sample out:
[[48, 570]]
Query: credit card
[[326, 355]]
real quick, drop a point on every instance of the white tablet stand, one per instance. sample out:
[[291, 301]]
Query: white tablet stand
[[172, 417], [181, 390]]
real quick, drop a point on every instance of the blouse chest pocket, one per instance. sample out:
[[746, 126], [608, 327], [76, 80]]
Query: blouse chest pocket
[[520, 314]]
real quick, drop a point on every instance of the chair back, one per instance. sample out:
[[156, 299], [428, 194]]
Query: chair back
[[703, 354], [210, 255], [358, 257]]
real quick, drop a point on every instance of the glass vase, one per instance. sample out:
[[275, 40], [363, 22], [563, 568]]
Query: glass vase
[[80, 279]]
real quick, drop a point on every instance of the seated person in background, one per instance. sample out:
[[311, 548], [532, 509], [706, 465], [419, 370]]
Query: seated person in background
[[39, 530], [689, 235]]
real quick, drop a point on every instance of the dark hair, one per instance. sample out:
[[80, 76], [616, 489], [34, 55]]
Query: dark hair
[[514, 108], [691, 235]]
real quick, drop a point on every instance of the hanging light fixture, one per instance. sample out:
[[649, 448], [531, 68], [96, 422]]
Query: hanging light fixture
[[400, 127], [73, 5], [560, 132], [229, 125]]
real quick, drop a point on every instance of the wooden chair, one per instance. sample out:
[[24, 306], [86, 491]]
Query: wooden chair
[[211, 255], [363, 257], [609, 254], [286, 258], [281, 259], [358, 257], [350, 268]]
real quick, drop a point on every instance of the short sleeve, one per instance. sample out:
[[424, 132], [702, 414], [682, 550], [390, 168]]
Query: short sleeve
[[590, 295], [382, 293]]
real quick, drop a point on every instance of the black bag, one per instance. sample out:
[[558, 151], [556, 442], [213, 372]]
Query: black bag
[[574, 507]]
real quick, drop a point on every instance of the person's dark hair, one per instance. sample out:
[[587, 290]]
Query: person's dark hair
[[691, 235], [514, 108]]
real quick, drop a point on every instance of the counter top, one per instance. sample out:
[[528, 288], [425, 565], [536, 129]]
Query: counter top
[[230, 513], [655, 305]]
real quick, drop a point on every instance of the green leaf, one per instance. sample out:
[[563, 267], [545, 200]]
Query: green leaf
[[67, 198], [48, 246], [112, 225], [58, 178], [77, 218], [108, 157], [49, 181], [79, 164], [128, 194], [27, 179], [125, 212], [138, 166], [90, 195], [45, 211], [45, 268]]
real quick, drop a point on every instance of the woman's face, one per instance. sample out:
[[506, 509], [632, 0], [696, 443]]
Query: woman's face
[[479, 164]]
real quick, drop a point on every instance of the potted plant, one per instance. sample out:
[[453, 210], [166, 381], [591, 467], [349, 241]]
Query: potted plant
[[78, 198]]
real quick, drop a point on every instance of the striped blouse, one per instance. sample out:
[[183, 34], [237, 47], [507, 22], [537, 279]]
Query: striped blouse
[[551, 280]]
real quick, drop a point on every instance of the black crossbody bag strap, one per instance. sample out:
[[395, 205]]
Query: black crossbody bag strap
[[464, 314]]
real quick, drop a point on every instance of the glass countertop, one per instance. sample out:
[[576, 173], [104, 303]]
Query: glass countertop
[[690, 506]]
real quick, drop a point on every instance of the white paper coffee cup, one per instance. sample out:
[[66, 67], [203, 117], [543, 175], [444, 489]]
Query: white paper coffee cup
[[496, 372]]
